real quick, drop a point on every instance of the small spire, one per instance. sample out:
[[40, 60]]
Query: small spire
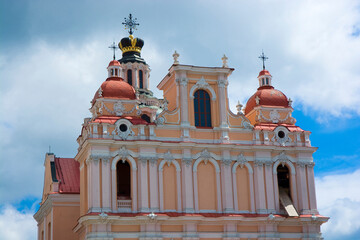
[[264, 58], [176, 56], [130, 24], [224, 59], [239, 107], [114, 47], [257, 100]]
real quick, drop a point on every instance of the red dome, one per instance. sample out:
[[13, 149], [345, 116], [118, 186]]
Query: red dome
[[115, 87], [114, 63], [264, 72], [268, 96]]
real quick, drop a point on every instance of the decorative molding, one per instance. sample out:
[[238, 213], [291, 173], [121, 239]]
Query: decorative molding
[[182, 81], [275, 117], [187, 161], [202, 84], [222, 82], [123, 134], [241, 160]]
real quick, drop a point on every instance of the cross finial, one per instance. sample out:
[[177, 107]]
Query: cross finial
[[224, 59], [130, 24], [264, 58], [114, 48]]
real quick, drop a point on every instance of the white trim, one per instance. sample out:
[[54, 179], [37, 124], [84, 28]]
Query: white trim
[[204, 86], [213, 161], [129, 158], [176, 164], [287, 163]]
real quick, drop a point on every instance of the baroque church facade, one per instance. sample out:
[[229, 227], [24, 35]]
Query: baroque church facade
[[185, 166]]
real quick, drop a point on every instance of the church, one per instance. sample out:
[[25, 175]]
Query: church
[[184, 166]]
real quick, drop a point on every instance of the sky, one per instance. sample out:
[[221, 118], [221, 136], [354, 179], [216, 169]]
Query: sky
[[54, 54]]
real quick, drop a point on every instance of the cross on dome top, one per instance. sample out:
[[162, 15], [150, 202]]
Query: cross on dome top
[[130, 24], [264, 58], [114, 47]]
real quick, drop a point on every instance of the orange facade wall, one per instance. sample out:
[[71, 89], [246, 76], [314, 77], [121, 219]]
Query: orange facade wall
[[65, 219], [171, 228], [206, 186], [169, 180], [243, 191], [125, 228]]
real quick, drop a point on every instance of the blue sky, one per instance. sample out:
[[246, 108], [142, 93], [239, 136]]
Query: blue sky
[[54, 54]]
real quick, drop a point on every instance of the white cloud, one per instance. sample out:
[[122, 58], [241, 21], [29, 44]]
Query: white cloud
[[338, 197], [17, 225], [45, 99]]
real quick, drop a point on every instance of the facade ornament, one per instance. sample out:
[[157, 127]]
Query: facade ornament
[[274, 116], [103, 216], [301, 164], [143, 159], [152, 216], [187, 161], [257, 100], [182, 81], [241, 160], [202, 84], [176, 56], [259, 163], [164, 104], [123, 129], [239, 108], [168, 157], [290, 102], [271, 217], [119, 108], [247, 124], [160, 121], [222, 82], [100, 91], [226, 162], [152, 160], [138, 112], [205, 155], [224, 60], [123, 154], [268, 162], [282, 158]]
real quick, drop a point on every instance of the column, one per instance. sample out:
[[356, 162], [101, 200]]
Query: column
[[270, 198], [94, 184], [302, 188], [226, 184], [153, 184], [187, 185], [311, 187], [106, 184], [259, 187], [222, 83], [143, 185]]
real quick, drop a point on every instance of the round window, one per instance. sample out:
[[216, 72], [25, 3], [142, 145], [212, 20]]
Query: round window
[[123, 127], [281, 134]]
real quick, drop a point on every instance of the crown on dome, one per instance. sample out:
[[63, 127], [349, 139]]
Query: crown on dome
[[130, 46]]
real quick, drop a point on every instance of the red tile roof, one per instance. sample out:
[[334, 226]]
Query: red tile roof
[[268, 96], [272, 126], [68, 175]]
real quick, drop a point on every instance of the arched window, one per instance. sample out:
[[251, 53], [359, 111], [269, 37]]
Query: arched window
[[129, 77], [202, 109], [141, 82], [123, 180], [283, 177]]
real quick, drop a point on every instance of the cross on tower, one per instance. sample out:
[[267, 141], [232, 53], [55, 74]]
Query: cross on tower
[[264, 58], [130, 24], [114, 48]]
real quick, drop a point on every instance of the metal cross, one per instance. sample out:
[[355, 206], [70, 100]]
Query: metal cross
[[130, 24], [264, 58], [114, 48]]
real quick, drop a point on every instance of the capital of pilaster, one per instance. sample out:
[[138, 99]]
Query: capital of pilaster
[[183, 81], [187, 161]]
